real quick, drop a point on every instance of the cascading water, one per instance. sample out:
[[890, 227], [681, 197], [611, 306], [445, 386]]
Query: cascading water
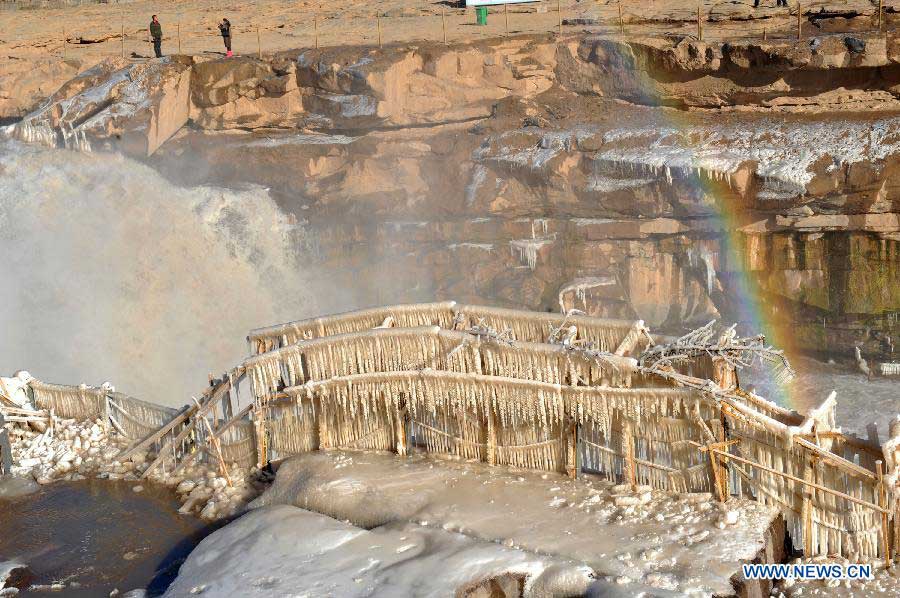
[[112, 273]]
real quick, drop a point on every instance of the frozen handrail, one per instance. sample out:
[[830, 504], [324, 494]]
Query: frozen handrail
[[430, 347], [404, 315], [604, 334]]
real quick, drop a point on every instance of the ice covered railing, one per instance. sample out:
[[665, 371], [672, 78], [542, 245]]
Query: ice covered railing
[[524, 423], [591, 396], [131, 417], [535, 327], [404, 316], [431, 347]]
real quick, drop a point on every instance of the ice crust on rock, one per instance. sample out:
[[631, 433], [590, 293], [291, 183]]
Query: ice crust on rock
[[283, 550], [613, 530], [784, 151]]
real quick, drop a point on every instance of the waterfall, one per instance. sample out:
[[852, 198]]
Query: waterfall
[[113, 273]]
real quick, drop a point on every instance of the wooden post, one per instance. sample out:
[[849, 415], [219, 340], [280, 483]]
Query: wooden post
[[572, 451], [5, 448], [65, 41], [323, 426], [316, 30], [262, 441], [215, 442], [401, 433], [765, 34], [106, 414], [258, 44], [378, 26], [628, 451], [178, 28], [559, 15], [621, 22], [123, 38], [491, 438], [714, 468], [444, 22], [723, 465], [885, 521], [699, 24], [506, 16], [806, 508], [799, 21]]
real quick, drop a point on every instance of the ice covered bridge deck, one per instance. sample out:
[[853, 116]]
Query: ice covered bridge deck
[[531, 390]]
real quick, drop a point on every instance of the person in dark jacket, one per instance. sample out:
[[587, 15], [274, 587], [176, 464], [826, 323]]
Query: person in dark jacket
[[777, 3], [225, 30], [156, 36]]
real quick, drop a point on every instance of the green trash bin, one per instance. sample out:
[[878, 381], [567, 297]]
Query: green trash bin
[[481, 15]]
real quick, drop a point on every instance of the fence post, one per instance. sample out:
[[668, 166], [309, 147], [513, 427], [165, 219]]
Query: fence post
[[491, 442], [316, 30], [628, 451], [572, 451], [806, 507], [401, 432], [559, 15], [699, 24], [799, 21], [106, 412], [506, 16], [885, 522], [65, 41], [262, 440], [123, 39], [5, 449], [714, 468], [258, 44], [378, 26], [178, 27], [444, 22], [621, 22]]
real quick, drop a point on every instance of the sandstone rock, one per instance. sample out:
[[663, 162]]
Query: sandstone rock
[[26, 83]]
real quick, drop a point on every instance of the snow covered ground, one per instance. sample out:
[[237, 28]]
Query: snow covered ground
[[286, 551], [668, 545]]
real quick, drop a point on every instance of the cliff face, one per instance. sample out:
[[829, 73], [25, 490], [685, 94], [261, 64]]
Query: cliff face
[[588, 172]]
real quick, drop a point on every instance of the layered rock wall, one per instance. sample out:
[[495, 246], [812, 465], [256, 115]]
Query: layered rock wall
[[587, 172]]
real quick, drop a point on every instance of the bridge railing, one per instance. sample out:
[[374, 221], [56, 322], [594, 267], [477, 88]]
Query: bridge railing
[[523, 423], [611, 335], [401, 349], [481, 395]]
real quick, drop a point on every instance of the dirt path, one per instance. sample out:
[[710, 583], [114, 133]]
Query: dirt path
[[94, 31]]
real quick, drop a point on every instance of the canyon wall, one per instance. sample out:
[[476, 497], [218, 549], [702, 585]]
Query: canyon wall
[[664, 179]]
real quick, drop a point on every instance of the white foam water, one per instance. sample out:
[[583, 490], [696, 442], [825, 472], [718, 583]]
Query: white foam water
[[110, 272]]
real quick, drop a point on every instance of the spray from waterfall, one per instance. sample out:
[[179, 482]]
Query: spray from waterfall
[[113, 273]]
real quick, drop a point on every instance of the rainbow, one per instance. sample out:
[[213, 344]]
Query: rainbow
[[749, 308]]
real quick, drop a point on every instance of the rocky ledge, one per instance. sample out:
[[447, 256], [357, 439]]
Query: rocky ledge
[[648, 179]]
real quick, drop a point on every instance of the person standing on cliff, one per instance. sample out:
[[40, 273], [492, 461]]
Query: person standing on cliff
[[156, 36], [225, 30]]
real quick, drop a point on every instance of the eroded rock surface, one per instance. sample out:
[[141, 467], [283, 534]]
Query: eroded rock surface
[[538, 172]]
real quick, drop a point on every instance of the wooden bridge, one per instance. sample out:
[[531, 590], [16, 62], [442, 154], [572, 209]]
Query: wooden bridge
[[570, 394]]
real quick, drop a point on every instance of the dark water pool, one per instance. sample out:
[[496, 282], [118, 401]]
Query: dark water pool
[[97, 535]]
